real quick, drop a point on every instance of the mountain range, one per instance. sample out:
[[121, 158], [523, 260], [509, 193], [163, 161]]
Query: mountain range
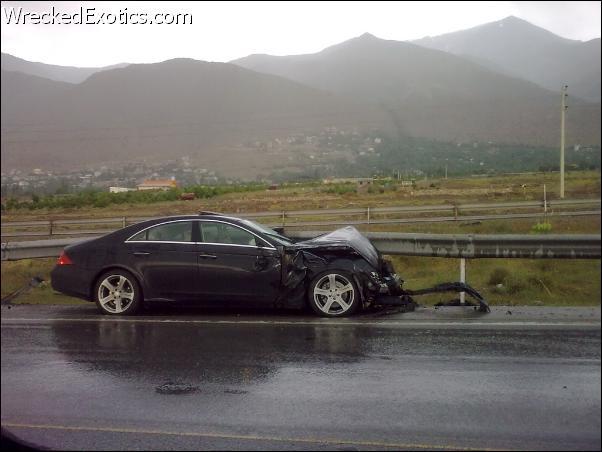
[[446, 88], [68, 74], [157, 112], [515, 47]]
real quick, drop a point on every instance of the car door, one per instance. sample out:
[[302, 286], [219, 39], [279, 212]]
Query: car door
[[236, 264], [166, 257]]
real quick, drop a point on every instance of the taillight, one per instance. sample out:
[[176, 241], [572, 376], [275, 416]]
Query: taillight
[[64, 259]]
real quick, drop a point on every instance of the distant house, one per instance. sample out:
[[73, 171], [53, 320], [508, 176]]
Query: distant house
[[119, 189], [157, 184]]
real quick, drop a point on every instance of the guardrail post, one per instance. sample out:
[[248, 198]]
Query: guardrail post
[[283, 217], [455, 212], [368, 214], [545, 200], [50, 227], [123, 222], [462, 279]]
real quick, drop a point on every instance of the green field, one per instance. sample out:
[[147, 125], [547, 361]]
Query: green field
[[502, 281], [316, 195]]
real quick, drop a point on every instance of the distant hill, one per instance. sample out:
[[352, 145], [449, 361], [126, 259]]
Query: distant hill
[[435, 94], [159, 112], [68, 74], [521, 49], [212, 111]]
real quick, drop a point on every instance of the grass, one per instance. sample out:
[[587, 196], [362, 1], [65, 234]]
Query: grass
[[523, 282], [17, 274], [584, 184]]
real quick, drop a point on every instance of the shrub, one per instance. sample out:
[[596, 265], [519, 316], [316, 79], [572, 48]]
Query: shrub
[[545, 265], [99, 198], [514, 285], [498, 276], [541, 228]]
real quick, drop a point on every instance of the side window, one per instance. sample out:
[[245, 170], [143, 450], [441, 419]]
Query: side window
[[140, 237], [226, 234], [179, 231]]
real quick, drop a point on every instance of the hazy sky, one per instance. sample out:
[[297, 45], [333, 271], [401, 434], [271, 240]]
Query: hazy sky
[[222, 31]]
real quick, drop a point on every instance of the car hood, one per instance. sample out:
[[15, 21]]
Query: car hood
[[343, 238]]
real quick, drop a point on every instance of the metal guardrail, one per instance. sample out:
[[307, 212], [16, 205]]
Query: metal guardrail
[[13, 251], [472, 246], [557, 246], [368, 215]]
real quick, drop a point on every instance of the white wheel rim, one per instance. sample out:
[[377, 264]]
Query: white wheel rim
[[334, 294], [115, 294]]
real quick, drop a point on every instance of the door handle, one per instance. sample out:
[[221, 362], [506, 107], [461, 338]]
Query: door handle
[[207, 256], [141, 253]]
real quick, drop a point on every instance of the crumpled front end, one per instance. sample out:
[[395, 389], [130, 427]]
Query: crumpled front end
[[347, 249], [344, 249]]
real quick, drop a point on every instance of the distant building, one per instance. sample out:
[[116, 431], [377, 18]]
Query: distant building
[[361, 181], [120, 189], [157, 184]]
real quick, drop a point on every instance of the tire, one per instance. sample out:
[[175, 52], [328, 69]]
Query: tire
[[117, 292], [340, 301]]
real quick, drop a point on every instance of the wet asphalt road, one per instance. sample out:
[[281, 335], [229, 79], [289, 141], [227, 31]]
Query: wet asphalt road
[[190, 379]]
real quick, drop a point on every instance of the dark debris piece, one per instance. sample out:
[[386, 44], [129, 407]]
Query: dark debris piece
[[33, 282], [176, 388]]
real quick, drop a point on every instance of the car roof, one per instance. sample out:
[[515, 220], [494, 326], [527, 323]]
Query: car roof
[[203, 216]]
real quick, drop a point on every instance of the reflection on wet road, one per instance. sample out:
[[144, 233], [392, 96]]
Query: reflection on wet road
[[258, 385]]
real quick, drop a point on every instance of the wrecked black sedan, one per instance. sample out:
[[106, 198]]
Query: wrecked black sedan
[[223, 259]]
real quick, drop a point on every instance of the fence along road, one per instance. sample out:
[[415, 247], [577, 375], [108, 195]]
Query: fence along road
[[353, 216]]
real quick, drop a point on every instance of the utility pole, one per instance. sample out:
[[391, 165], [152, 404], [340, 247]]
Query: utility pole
[[564, 107]]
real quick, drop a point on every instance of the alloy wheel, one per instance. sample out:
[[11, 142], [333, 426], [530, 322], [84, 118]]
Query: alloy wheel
[[115, 294], [334, 294]]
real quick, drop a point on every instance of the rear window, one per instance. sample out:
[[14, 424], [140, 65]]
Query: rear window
[[180, 231]]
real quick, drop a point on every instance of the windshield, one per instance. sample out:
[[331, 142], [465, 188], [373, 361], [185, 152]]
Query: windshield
[[282, 240]]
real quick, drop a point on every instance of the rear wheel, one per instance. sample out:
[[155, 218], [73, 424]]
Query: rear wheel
[[333, 294], [117, 293]]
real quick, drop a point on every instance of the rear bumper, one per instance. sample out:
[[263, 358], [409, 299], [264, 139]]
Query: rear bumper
[[70, 281]]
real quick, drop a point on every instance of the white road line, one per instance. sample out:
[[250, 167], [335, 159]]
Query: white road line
[[405, 323], [227, 436]]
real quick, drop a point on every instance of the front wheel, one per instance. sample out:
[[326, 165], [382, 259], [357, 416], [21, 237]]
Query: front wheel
[[333, 294], [117, 293]]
